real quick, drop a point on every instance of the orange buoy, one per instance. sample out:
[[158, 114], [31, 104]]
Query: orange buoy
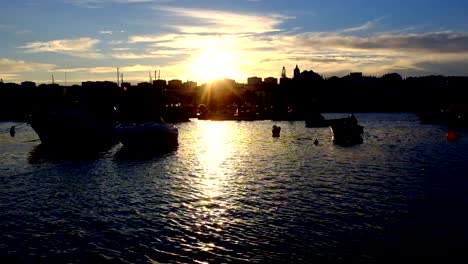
[[452, 135]]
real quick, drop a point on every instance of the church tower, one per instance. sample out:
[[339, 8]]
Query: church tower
[[297, 72]]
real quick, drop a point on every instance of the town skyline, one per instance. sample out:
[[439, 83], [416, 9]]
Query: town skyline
[[86, 40]]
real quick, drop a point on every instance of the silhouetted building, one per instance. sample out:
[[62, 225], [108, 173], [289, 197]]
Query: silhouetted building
[[160, 83], [271, 80], [355, 75], [174, 84], [189, 85], [254, 80]]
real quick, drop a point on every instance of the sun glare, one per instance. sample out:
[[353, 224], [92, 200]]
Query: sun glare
[[214, 63]]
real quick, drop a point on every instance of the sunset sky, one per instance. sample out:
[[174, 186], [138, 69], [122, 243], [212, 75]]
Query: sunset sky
[[210, 39]]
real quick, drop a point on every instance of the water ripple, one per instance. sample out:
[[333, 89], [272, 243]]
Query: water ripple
[[229, 192]]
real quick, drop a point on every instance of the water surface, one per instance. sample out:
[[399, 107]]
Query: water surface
[[230, 192]]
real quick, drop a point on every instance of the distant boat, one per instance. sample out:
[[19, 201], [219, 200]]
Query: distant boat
[[147, 134], [346, 131]]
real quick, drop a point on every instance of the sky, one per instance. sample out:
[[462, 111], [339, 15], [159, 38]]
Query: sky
[[190, 40]]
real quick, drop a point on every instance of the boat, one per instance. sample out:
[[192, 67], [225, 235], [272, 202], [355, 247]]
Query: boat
[[316, 120], [76, 124], [346, 131], [147, 134]]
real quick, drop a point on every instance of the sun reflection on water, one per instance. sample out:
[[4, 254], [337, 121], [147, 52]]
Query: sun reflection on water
[[214, 185]]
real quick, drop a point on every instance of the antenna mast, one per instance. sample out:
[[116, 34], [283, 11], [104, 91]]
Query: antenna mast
[[118, 75]]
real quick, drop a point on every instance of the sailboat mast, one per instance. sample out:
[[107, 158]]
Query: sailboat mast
[[118, 75]]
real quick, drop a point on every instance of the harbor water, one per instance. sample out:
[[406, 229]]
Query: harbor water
[[232, 193]]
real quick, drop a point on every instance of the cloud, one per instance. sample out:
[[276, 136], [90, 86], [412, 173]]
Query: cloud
[[80, 47], [115, 42], [366, 26], [445, 42], [121, 49], [19, 66], [217, 21], [131, 56], [61, 45], [101, 3], [154, 38], [100, 70], [105, 32], [7, 77], [86, 3]]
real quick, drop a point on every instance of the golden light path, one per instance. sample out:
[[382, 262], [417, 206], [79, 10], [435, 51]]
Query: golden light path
[[212, 158], [215, 178]]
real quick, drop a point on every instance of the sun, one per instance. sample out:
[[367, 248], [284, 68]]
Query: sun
[[213, 63]]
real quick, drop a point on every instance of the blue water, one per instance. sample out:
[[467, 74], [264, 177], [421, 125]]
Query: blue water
[[231, 193]]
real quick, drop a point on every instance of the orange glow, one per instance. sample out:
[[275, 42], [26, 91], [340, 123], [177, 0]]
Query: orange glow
[[216, 61]]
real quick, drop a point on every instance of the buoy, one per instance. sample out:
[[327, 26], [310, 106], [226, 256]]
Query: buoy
[[452, 135], [12, 131], [276, 131]]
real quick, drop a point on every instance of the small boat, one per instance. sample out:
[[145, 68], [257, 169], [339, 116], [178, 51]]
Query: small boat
[[152, 134], [346, 131]]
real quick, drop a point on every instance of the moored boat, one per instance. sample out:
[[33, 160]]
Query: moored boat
[[75, 124], [147, 134], [346, 131]]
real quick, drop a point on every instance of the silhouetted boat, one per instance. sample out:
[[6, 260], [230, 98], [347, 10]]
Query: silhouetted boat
[[346, 131], [75, 124], [316, 120], [148, 134]]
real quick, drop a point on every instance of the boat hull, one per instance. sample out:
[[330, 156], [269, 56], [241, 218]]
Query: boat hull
[[148, 135], [69, 133], [346, 131]]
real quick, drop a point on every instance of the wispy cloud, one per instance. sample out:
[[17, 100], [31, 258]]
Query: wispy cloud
[[218, 21], [9, 77], [19, 66], [154, 38], [441, 42], [81, 47], [101, 3], [116, 42], [98, 70], [105, 32], [121, 49], [160, 53], [364, 27]]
